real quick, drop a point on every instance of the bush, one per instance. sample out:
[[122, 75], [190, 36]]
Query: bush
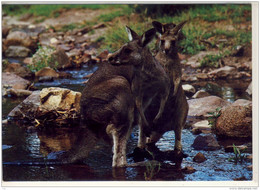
[[43, 58]]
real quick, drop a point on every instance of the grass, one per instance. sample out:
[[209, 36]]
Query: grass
[[205, 22], [239, 156], [213, 117], [151, 170], [51, 10], [116, 35]]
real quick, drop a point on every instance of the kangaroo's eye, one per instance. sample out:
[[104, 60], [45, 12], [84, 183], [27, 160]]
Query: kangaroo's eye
[[127, 50]]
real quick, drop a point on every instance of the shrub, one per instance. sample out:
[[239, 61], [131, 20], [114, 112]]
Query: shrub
[[43, 58]]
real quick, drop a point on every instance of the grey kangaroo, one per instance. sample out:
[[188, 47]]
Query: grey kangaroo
[[176, 107], [107, 105], [150, 81]]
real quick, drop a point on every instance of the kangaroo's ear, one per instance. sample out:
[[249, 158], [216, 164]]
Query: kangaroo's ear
[[158, 27], [147, 37], [131, 34], [176, 30]]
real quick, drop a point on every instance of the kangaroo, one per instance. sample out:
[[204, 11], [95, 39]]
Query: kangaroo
[[150, 80], [176, 108], [107, 112], [108, 106]]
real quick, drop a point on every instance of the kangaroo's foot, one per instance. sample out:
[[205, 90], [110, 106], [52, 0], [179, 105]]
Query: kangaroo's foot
[[139, 154]]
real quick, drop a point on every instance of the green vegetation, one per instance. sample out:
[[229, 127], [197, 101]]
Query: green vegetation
[[123, 11], [51, 10], [213, 60], [213, 117], [152, 168], [43, 58], [206, 22], [239, 156]]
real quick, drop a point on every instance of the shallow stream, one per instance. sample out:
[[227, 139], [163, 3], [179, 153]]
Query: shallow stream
[[27, 144]]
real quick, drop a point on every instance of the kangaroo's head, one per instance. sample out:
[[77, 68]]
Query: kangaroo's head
[[170, 35], [133, 52]]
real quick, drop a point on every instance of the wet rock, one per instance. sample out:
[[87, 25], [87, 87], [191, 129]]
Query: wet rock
[[202, 126], [74, 53], [202, 76], [249, 89], [46, 79], [201, 106], [188, 89], [188, 170], [244, 66], [5, 31], [249, 157], [235, 121], [27, 61], [54, 41], [88, 76], [27, 108], [18, 38], [5, 122], [59, 99], [242, 102], [19, 70], [65, 75], [47, 72], [230, 148], [11, 80], [201, 94], [45, 38], [17, 51], [249, 168], [189, 78], [223, 72], [49, 107], [18, 92], [207, 142], [199, 158], [195, 61]]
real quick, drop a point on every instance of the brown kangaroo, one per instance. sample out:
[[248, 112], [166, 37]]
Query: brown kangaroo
[[107, 112], [107, 104], [150, 81], [176, 108]]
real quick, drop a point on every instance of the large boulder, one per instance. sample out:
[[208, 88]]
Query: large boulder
[[202, 106], [235, 120], [54, 98], [49, 107]]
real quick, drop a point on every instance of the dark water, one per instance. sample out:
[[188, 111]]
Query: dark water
[[26, 144]]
